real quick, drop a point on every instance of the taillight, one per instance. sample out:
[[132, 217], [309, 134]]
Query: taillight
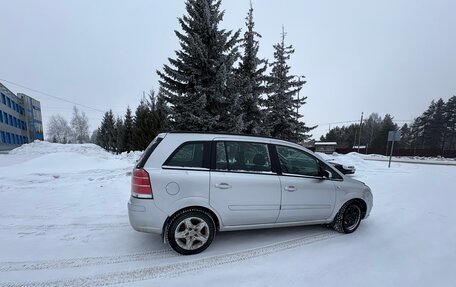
[[140, 184]]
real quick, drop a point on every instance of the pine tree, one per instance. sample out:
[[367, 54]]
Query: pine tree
[[281, 104], [344, 136], [450, 119], [406, 139], [370, 128], [387, 125], [128, 131], [251, 78], [199, 83], [431, 125]]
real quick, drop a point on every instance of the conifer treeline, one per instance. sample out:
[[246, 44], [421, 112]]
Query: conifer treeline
[[133, 132], [216, 82], [435, 129]]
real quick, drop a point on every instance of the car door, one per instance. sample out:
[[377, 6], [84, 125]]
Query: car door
[[306, 196], [243, 188]]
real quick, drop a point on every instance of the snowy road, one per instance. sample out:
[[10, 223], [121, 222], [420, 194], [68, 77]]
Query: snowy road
[[66, 225]]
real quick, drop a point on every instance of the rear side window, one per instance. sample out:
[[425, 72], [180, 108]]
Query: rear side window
[[145, 156], [242, 156], [190, 155]]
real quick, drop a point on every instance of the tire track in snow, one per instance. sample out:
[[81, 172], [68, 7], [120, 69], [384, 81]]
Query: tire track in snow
[[85, 261], [66, 226], [175, 269]]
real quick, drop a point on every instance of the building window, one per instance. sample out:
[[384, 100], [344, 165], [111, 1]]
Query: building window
[[8, 102], [4, 99], [10, 120], [3, 137], [5, 116], [1, 117]]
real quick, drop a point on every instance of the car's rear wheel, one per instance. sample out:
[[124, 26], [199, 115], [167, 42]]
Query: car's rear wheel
[[191, 232], [348, 218]]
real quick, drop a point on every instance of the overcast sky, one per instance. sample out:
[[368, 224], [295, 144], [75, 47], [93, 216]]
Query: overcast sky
[[358, 56]]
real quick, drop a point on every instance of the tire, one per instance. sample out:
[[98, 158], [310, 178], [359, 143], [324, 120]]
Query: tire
[[191, 232], [348, 218]]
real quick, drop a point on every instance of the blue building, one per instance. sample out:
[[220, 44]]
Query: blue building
[[20, 119]]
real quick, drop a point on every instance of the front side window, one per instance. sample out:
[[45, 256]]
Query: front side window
[[187, 155], [295, 161], [242, 156]]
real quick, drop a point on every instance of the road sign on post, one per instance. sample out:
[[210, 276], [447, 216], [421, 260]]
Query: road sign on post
[[393, 136]]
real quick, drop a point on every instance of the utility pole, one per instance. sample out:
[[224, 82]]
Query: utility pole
[[360, 127]]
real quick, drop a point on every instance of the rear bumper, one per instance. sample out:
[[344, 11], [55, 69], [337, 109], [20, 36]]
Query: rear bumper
[[145, 216]]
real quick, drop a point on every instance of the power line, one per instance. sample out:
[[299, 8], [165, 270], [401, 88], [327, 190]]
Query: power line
[[51, 96], [355, 121]]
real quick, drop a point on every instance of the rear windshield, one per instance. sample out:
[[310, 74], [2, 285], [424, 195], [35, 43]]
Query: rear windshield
[[145, 156]]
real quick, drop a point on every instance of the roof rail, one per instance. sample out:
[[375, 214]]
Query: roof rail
[[226, 133]]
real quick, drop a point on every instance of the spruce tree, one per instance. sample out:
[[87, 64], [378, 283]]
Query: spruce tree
[[162, 112], [251, 78], [144, 125], [281, 103], [199, 83], [107, 131], [119, 131], [128, 131]]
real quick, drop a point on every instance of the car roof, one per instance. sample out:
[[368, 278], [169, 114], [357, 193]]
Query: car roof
[[233, 136]]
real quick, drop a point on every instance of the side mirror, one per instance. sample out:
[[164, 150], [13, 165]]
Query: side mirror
[[324, 173]]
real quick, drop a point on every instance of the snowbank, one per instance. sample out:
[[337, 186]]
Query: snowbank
[[39, 148], [348, 159]]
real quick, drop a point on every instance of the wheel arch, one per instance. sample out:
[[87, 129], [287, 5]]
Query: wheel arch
[[361, 202], [204, 209]]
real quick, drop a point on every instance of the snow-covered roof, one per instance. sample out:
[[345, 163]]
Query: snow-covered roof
[[325, 143]]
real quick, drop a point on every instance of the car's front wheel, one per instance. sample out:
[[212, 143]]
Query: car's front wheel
[[191, 232], [348, 218]]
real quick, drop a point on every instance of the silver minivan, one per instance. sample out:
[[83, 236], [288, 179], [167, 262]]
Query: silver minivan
[[188, 186]]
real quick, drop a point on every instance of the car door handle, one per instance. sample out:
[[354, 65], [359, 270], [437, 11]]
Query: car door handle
[[223, 185], [290, 188]]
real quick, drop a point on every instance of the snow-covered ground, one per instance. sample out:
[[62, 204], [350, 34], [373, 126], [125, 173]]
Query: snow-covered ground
[[63, 222]]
